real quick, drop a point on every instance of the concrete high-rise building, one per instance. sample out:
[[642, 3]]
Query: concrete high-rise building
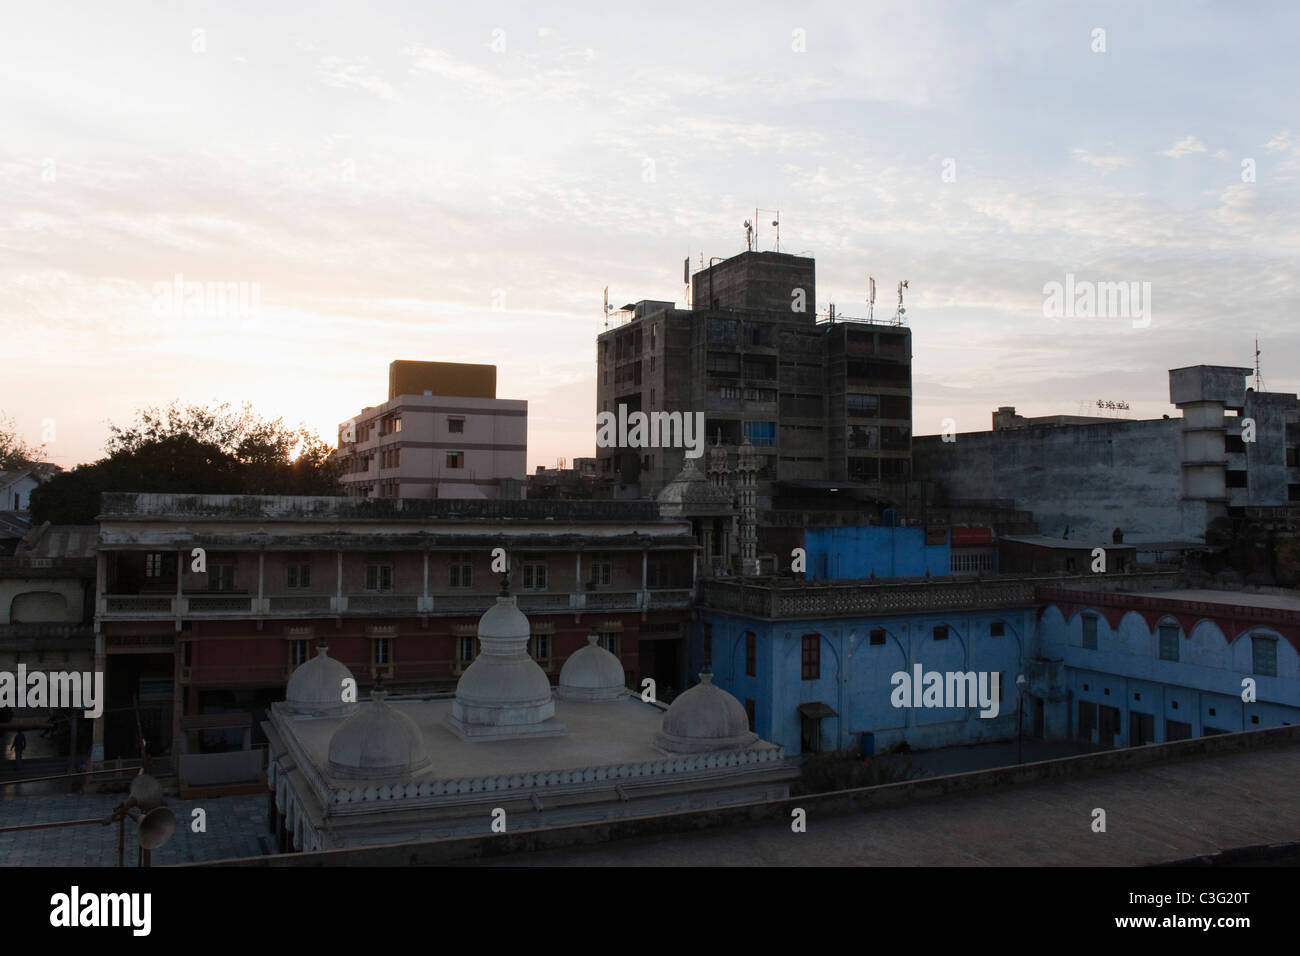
[[442, 433], [819, 398]]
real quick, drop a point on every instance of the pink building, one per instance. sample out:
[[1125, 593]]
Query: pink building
[[442, 433]]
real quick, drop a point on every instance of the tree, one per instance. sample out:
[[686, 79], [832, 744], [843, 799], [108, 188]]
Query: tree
[[15, 454], [193, 449]]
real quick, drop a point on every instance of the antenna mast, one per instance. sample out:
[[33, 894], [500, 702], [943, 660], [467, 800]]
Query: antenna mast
[[871, 298], [606, 306], [1259, 378], [898, 316]]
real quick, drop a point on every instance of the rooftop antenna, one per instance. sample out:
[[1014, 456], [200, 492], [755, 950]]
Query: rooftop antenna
[[686, 278], [775, 222], [898, 316], [871, 298], [749, 236], [606, 306], [1259, 378]]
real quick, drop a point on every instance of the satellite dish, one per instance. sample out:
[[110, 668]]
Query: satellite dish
[[147, 792], [157, 827]]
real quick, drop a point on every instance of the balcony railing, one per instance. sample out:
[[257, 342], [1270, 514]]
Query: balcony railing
[[136, 607], [795, 600], [219, 604]]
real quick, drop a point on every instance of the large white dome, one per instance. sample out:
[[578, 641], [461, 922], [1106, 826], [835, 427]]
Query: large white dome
[[705, 718], [378, 741], [592, 673], [504, 692], [316, 687]]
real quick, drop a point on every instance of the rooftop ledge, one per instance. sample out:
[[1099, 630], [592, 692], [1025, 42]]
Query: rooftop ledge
[[136, 505]]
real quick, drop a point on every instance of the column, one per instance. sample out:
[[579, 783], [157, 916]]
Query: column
[[97, 731]]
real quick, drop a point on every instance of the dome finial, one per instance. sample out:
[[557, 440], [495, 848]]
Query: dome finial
[[706, 675]]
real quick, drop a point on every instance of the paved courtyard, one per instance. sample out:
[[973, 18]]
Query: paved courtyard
[[236, 827]]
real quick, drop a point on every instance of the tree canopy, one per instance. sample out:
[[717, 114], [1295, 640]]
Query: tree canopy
[[15, 454], [193, 449]]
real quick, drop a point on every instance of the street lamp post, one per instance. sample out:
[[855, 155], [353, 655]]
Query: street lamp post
[[1020, 718]]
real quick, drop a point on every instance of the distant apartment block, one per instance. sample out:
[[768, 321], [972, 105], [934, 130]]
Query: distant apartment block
[[1158, 480], [442, 433], [819, 398]]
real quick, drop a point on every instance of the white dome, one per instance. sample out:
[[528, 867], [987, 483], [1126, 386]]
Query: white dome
[[316, 687], [705, 718], [503, 693], [377, 742], [592, 673]]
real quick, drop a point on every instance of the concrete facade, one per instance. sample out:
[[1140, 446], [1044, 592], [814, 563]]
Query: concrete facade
[[437, 446], [1156, 480], [449, 436], [817, 399]]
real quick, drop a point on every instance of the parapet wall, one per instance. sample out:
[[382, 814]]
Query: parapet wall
[[498, 846]]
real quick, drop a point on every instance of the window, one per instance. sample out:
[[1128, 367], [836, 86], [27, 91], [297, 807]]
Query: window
[[996, 629], [221, 577], [381, 651], [658, 573], [941, 632], [1169, 642], [751, 652], [609, 641], [297, 652], [299, 575], [540, 648], [601, 571], [460, 570], [379, 577], [730, 392], [534, 572], [455, 459], [877, 637], [708, 646], [465, 649], [1264, 652], [1089, 632], [153, 565], [455, 426], [811, 658], [761, 433]]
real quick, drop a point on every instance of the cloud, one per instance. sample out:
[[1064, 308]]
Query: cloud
[[1107, 164], [1185, 147]]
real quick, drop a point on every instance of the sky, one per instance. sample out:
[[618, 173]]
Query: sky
[[459, 182]]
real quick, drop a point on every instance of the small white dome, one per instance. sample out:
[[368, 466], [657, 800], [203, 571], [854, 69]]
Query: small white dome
[[705, 718], [316, 687], [504, 620], [377, 742], [592, 673]]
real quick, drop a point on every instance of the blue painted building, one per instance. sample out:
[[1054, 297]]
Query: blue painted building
[[860, 552], [1139, 668], [814, 664]]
